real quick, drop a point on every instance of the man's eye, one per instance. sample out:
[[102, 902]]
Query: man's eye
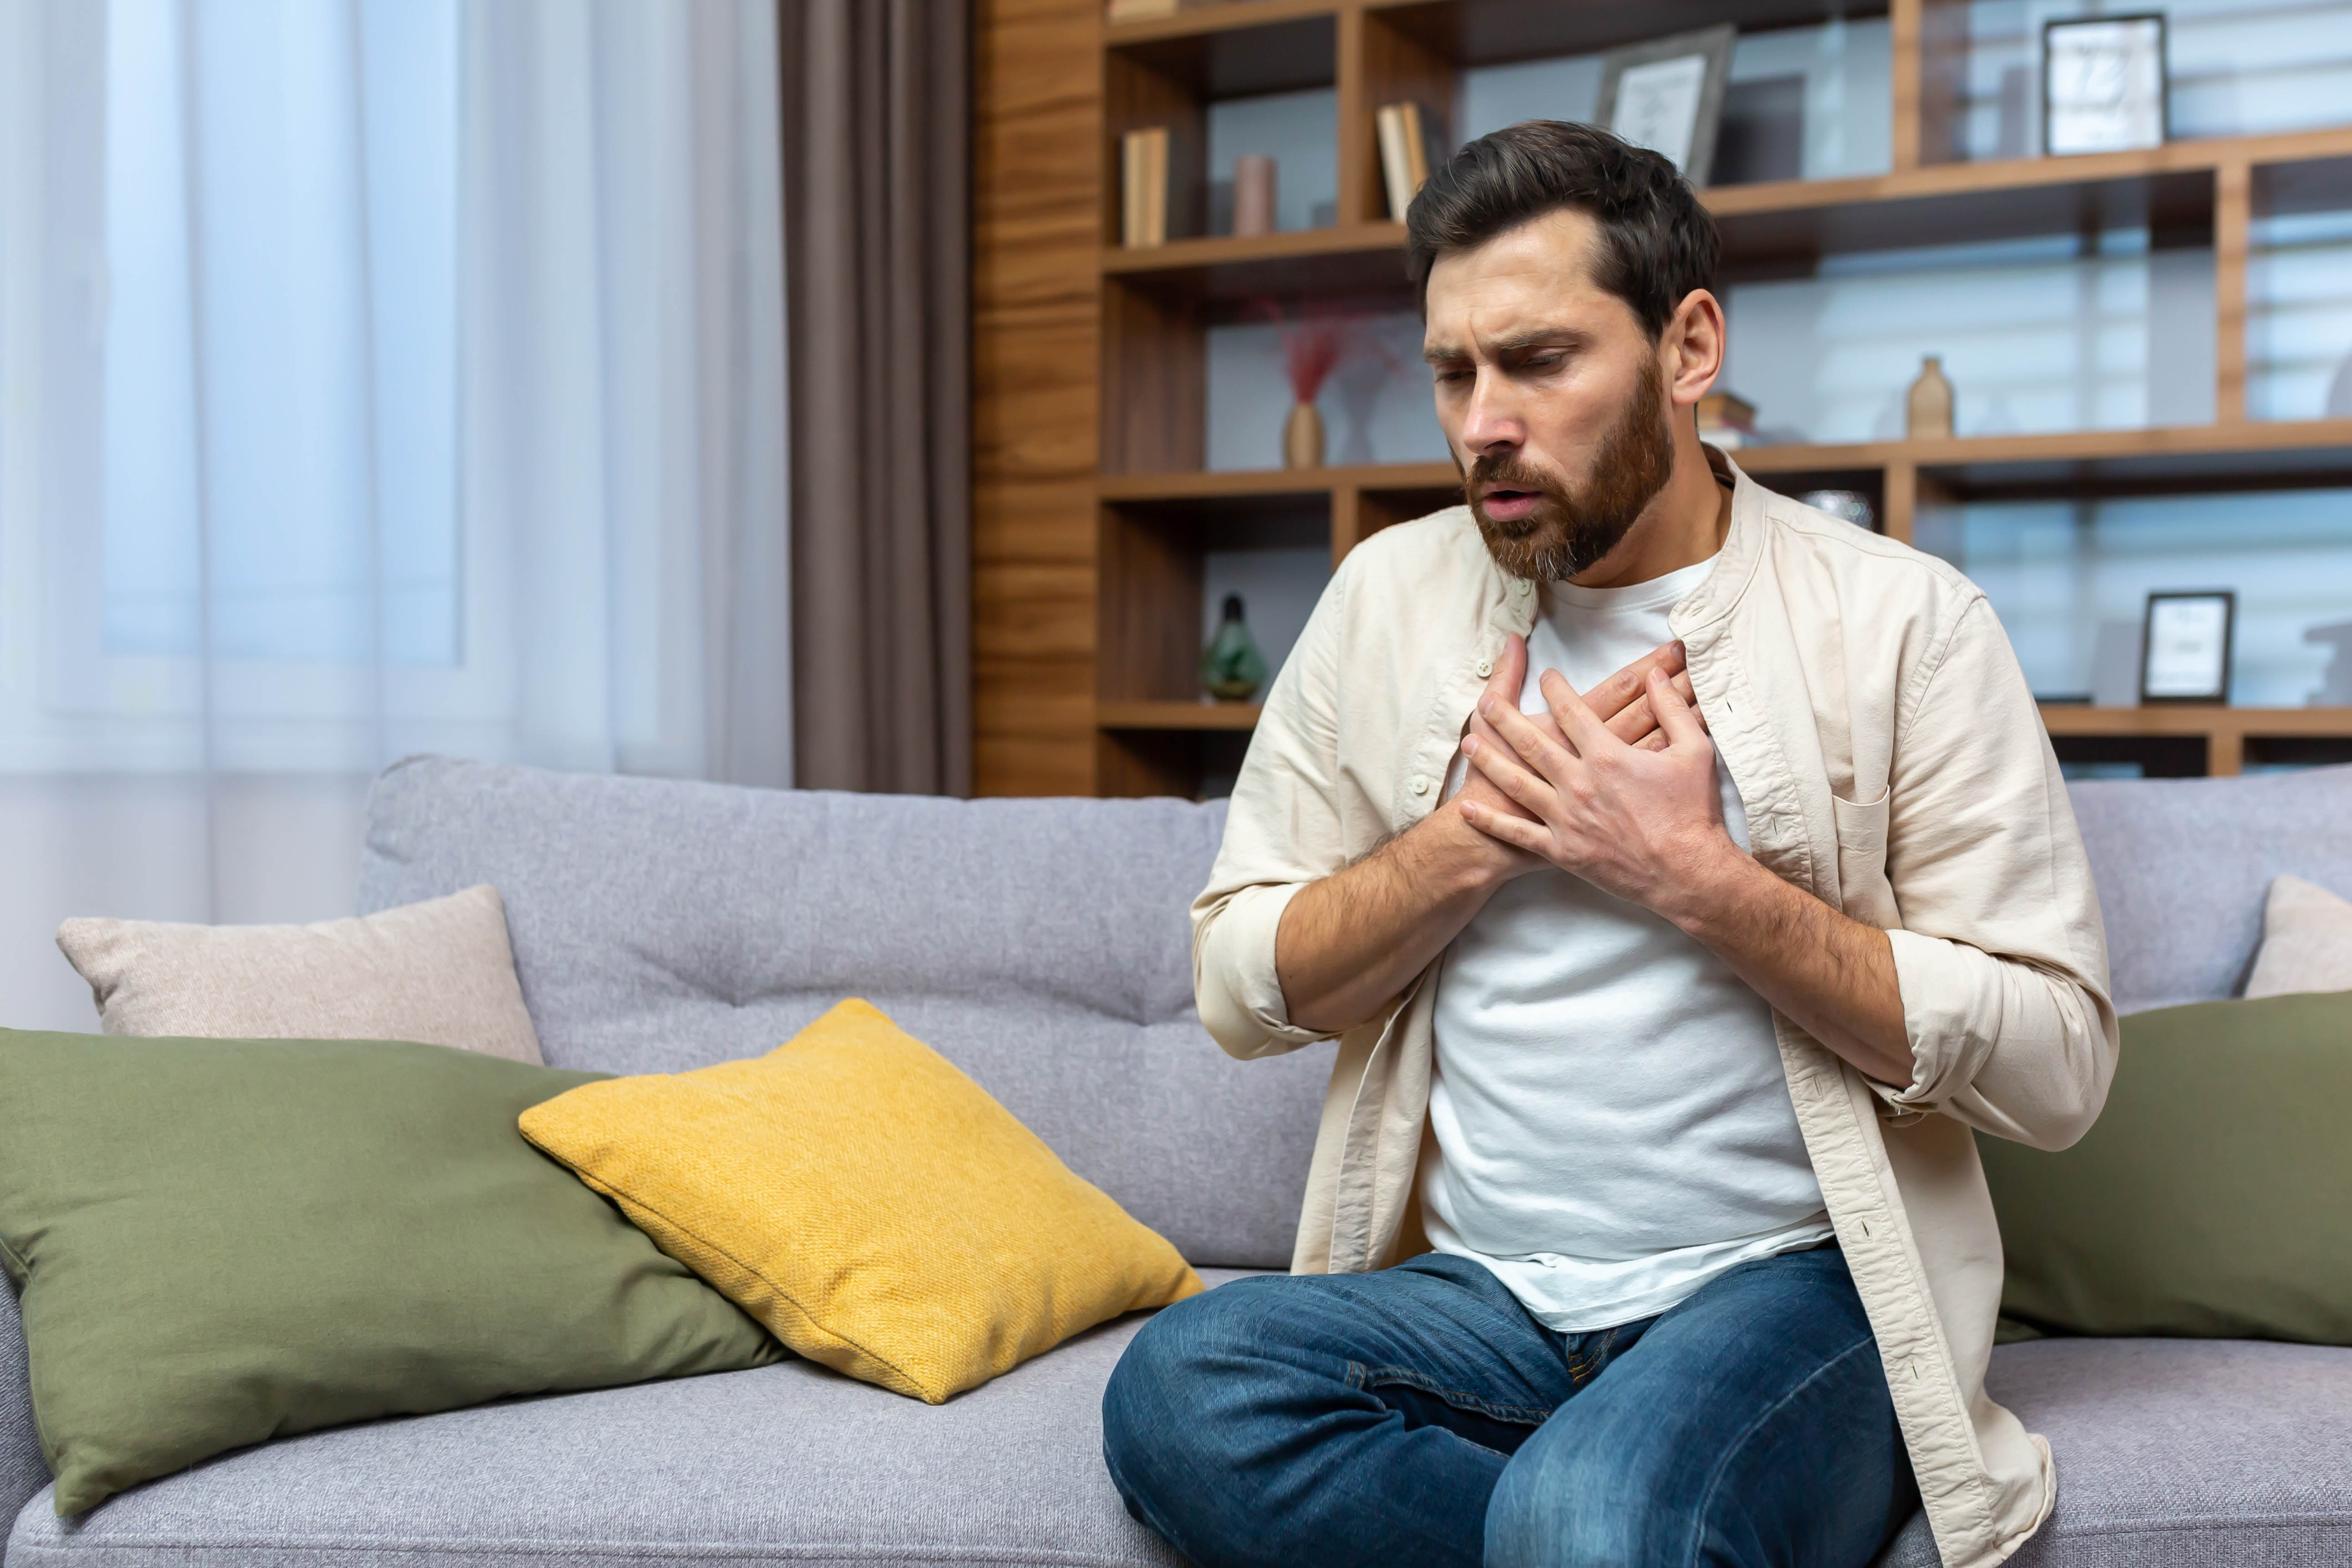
[[1452, 377]]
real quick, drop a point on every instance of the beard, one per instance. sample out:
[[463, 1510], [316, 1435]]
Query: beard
[[1569, 528]]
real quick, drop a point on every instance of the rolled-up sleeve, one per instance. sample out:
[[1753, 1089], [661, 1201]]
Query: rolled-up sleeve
[[1282, 831], [2001, 957]]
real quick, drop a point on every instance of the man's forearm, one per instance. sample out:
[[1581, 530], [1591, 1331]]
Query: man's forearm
[[1349, 942], [1832, 975]]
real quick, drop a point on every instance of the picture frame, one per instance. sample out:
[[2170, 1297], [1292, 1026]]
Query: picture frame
[[1667, 95], [2103, 84], [2186, 641]]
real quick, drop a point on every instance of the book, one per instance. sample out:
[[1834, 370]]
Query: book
[[1141, 10], [1143, 186], [1405, 154], [1727, 410]]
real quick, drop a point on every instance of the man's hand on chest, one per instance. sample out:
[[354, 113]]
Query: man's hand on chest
[[1617, 786]]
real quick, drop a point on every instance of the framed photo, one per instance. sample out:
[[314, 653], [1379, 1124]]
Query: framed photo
[[2102, 84], [1667, 96], [2185, 648]]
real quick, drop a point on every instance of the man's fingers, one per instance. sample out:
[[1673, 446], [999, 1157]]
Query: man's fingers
[[1677, 718], [1584, 729], [1510, 671], [1517, 832], [1637, 722], [1546, 759], [1612, 697]]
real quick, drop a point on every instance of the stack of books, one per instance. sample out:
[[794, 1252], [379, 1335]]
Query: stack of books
[[1726, 421]]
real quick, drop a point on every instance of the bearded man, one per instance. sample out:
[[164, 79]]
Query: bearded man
[[1646, 1224]]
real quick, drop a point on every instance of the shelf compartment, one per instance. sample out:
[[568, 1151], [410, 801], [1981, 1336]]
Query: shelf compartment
[[1780, 226], [1499, 32], [2160, 737], [2183, 742]]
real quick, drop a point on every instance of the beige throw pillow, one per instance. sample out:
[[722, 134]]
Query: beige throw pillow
[[439, 971], [2307, 941]]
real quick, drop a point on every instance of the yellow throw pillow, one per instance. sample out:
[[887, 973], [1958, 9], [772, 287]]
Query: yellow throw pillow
[[868, 1203]]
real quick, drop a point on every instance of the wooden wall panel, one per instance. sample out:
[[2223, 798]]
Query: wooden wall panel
[[1037, 228]]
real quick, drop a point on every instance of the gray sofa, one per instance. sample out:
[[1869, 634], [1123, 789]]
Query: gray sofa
[[1043, 946]]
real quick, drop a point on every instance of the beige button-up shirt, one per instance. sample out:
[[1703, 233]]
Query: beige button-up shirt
[[1891, 763]]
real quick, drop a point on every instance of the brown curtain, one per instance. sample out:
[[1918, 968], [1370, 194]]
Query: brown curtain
[[876, 117]]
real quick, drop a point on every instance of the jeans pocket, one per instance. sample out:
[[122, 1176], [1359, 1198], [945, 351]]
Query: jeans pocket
[[1376, 1379]]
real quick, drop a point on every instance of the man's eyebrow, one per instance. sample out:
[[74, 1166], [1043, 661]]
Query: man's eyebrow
[[1535, 338], [1517, 342]]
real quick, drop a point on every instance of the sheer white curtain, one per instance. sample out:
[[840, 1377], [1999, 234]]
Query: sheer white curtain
[[376, 376]]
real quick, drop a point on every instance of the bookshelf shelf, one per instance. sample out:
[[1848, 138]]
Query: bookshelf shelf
[[2225, 731], [2174, 188], [1172, 715], [2168, 461]]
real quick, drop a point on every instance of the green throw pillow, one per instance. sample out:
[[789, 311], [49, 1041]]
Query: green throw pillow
[[2213, 1197], [224, 1241]]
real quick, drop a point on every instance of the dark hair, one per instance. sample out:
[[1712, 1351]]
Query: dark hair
[[1657, 243]]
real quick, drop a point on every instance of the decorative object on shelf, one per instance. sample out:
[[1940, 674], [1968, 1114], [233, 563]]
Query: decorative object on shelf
[[1851, 505], [2185, 656], [1667, 96], [1727, 420], [1405, 154], [1143, 186], [1232, 667], [1143, 10], [1302, 437], [1252, 194], [1928, 412], [1313, 343], [2336, 682], [2102, 84]]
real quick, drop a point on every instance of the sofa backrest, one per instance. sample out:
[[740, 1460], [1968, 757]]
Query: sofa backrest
[[2183, 865], [1041, 946]]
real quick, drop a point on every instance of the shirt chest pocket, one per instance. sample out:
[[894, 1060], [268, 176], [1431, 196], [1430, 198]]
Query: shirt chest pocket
[[1862, 887]]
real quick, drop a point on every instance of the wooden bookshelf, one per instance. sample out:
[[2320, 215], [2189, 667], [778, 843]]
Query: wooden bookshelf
[[1089, 581]]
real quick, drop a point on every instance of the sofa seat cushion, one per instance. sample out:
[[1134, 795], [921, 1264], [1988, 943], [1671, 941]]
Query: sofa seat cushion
[[2179, 1453], [791, 1463]]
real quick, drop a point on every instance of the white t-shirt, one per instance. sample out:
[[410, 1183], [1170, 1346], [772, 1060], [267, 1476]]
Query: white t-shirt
[[1612, 1129]]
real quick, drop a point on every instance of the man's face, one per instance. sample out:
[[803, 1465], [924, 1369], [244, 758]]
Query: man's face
[[1552, 394]]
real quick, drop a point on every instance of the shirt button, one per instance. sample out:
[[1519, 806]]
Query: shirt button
[[1522, 587], [1421, 783], [1486, 667]]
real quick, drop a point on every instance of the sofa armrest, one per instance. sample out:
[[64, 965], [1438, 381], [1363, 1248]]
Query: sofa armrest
[[23, 1471]]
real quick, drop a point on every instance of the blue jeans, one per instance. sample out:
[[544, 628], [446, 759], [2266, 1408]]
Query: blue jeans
[[1420, 1416]]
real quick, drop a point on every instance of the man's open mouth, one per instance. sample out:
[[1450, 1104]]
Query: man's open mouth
[[1508, 504]]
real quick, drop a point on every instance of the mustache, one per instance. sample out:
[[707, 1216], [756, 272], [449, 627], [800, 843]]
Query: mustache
[[1512, 471]]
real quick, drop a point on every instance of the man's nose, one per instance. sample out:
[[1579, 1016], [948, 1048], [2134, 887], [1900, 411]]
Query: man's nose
[[1492, 419]]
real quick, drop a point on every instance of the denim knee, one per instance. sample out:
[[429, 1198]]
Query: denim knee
[[1573, 1507], [1150, 1405]]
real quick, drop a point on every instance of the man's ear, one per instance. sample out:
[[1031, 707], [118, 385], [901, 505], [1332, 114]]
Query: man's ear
[[1691, 350]]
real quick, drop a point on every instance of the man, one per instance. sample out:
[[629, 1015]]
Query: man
[[1645, 1224]]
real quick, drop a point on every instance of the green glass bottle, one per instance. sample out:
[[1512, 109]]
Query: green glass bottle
[[1231, 669]]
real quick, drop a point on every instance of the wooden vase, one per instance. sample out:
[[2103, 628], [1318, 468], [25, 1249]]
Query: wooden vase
[[1302, 437], [1928, 408]]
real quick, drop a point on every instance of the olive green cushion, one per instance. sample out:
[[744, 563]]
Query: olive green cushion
[[2213, 1197], [223, 1241]]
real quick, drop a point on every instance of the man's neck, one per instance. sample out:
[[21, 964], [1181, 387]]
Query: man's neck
[[1683, 525]]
